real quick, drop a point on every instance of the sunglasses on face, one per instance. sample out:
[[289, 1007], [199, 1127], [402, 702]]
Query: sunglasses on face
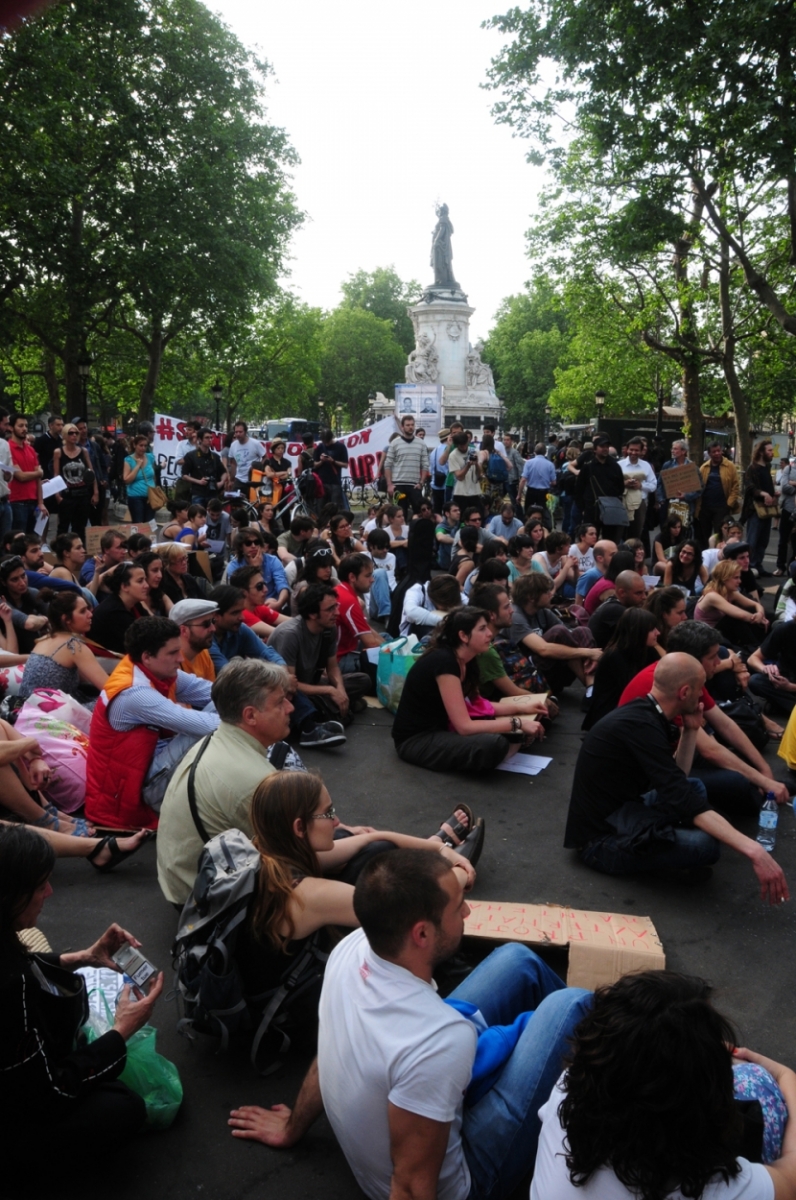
[[252, 542]]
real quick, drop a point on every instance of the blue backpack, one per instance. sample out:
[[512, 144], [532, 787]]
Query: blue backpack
[[497, 471]]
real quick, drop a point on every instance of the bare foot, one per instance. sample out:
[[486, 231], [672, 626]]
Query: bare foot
[[463, 819]]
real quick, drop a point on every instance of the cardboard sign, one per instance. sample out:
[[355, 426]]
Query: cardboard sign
[[602, 946], [94, 534], [681, 479]]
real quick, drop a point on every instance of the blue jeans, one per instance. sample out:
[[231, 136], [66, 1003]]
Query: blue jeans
[[6, 518], [567, 503], [140, 510], [304, 715], [690, 848], [23, 513], [380, 595], [500, 1132], [758, 531]]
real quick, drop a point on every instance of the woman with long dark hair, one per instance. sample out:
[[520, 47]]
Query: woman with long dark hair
[[646, 1108], [307, 873], [663, 547], [28, 606], [668, 606], [63, 660], [685, 568], [630, 650], [157, 602], [46, 1069], [114, 615], [442, 723]]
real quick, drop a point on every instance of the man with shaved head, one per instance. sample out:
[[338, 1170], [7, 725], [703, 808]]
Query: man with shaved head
[[634, 807], [631, 592]]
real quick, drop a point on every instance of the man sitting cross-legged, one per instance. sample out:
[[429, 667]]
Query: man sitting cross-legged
[[252, 699], [394, 1060], [308, 646], [649, 815], [143, 722]]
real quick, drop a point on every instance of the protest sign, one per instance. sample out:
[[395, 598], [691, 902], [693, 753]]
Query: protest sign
[[681, 479]]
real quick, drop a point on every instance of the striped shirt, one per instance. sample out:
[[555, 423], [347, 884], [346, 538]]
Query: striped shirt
[[407, 461]]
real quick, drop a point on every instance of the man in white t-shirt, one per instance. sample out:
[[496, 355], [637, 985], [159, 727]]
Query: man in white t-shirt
[[243, 452], [395, 1061]]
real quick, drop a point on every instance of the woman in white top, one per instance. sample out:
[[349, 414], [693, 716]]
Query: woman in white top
[[647, 1109]]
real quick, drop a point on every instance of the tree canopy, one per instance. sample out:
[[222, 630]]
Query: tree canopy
[[141, 187], [384, 294]]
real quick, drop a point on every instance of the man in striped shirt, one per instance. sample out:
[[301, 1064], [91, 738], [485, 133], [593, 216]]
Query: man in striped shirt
[[406, 466]]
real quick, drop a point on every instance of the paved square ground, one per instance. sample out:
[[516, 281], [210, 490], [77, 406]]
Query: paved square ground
[[720, 930]]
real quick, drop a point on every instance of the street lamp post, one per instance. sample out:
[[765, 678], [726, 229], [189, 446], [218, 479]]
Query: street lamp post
[[338, 414], [83, 368], [599, 400], [321, 411], [216, 392]]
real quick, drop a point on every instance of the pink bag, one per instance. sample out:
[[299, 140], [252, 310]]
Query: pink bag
[[478, 710], [60, 725]]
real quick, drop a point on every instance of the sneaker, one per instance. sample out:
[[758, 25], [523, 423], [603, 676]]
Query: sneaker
[[359, 705], [330, 734]]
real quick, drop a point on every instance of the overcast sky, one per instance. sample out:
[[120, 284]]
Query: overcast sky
[[382, 102]]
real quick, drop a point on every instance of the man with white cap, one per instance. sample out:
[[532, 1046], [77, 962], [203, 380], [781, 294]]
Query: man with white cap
[[196, 619]]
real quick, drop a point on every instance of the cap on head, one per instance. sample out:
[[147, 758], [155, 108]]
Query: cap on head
[[191, 610]]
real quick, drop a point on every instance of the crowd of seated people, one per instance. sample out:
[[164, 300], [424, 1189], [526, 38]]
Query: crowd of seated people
[[181, 675]]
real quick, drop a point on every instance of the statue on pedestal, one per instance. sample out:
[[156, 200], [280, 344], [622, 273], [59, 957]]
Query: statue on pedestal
[[479, 374], [423, 365], [442, 251]]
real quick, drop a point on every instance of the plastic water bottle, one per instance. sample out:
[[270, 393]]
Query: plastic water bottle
[[767, 825]]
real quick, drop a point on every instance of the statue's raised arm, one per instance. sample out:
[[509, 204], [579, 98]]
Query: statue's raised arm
[[442, 251]]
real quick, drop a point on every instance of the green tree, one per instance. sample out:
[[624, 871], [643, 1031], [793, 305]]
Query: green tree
[[359, 355], [384, 294], [681, 116], [529, 341], [140, 183]]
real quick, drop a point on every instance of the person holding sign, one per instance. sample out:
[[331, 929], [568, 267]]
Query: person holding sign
[[677, 500]]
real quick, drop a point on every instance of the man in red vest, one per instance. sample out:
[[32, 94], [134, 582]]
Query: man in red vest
[[141, 727]]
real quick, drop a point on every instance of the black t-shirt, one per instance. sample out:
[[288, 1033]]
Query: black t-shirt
[[110, 623], [625, 755], [780, 647], [420, 709], [604, 622], [329, 473]]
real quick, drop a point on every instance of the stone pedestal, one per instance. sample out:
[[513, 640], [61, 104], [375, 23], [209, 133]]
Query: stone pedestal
[[443, 354]]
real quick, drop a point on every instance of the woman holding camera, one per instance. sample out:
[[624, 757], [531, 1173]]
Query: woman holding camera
[[56, 1091]]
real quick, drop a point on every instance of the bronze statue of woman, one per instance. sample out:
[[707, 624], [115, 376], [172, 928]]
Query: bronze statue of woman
[[442, 251]]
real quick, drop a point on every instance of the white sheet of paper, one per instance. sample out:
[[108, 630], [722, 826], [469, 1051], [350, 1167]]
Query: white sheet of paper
[[525, 764], [41, 524], [652, 580], [51, 486], [373, 654]]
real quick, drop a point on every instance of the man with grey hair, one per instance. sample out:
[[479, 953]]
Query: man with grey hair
[[681, 500], [252, 700]]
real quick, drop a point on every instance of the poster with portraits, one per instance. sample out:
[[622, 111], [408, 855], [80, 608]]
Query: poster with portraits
[[423, 401]]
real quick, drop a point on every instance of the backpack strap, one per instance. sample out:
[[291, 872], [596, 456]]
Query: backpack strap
[[311, 953], [197, 820]]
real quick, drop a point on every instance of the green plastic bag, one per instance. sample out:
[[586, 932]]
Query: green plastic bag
[[152, 1077], [395, 661]]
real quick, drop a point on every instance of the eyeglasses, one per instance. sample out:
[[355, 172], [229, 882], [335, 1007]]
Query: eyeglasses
[[253, 542], [202, 624], [329, 815], [258, 587]]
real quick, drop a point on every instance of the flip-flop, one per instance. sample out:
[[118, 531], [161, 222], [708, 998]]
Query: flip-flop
[[457, 829], [473, 844], [117, 855]]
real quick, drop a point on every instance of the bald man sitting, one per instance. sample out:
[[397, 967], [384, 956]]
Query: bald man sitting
[[633, 806]]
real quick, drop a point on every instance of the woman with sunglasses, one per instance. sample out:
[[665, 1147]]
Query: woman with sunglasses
[[72, 463], [28, 607], [177, 583], [317, 567], [254, 549], [307, 875]]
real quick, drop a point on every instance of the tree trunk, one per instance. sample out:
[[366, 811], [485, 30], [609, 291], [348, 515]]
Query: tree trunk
[[155, 348], [49, 373], [740, 405], [694, 424]]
